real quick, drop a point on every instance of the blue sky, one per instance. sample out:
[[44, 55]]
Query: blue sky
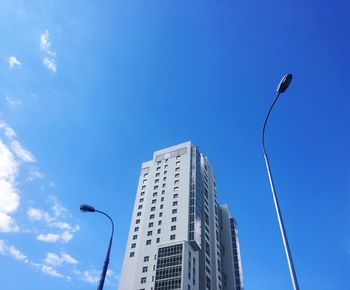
[[90, 89]]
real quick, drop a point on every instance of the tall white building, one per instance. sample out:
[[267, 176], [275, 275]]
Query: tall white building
[[180, 238]]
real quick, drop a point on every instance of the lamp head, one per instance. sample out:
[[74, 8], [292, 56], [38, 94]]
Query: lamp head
[[284, 83], [87, 208]]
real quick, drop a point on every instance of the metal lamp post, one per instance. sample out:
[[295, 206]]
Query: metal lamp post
[[282, 87], [89, 208]]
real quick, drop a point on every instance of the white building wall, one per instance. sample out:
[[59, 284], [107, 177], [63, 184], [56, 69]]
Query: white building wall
[[163, 198]]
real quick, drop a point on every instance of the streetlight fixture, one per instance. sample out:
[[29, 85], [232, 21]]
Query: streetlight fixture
[[282, 87], [89, 208]]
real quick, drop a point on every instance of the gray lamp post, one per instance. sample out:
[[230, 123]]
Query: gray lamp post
[[89, 208], [282, 87]]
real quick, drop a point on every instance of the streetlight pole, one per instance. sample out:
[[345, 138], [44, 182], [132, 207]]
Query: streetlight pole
[[89, 208], [282, 87]]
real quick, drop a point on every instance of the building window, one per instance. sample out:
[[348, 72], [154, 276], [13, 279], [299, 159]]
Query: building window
[[160, 214], [164, 178], [165, 166], [140, 206], [146, 258], [173, 219], [148, 242], [157, 174], [173, 228], [165, 172], [139, 213], [151, 216], [172, 237], [159, 162], [136, 229], [134, 237], [161, 206], [132, 254], [137, 221], [143, 280], [155, 187], [176, 182], [154, 194], [177, 163], [133, 245], [162, 199], [174, 210], [144, 269], [158, 240], [144, 181], [163, 185], [177, 169], [159, 223], [150, 225], [145, 175], [149, 233], [156, 181], [158, 231], [174, 203], [154, 201], [177, 175], [143, 187], [153, 208], [178, 157], [142, 193], [176, 188], [141, 199], [158, 168], [176, 195], [163, 191]]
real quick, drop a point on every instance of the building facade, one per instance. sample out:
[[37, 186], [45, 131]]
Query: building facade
[[180, 237]]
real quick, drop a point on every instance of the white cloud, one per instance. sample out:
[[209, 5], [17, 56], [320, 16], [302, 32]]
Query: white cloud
[[65, 237], [45, 43], [7, 223], [50, 271], [91, 276], [9, 198], [38, 215], [13, 61], [13, 102], [35, 174], [21, 152], [12, 252], [50, 64], [50, 238], [57, 208], [61, 225], [9, 133], [54, 259]]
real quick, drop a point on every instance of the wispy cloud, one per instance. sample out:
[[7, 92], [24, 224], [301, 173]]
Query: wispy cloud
[[9, 197], [12, 251], [50, 64], [21, 152], [54, 259], [13, 62], [45, 45], [50, 271], [35, 174], [52, 217], [65, 237], [13, 102]]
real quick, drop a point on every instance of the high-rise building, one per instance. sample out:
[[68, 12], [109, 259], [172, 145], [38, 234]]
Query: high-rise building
[[180, 237]]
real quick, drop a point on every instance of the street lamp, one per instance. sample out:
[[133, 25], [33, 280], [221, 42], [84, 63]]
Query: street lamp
[[282, 87], [89, 208]]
